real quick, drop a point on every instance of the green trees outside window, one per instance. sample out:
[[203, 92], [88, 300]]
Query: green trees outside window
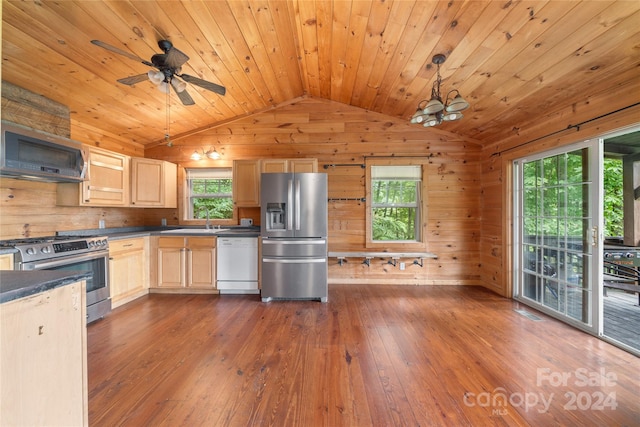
[[210, 191], [395, 209], [613, 198]]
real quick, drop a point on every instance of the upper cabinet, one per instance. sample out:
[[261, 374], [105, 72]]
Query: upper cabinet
[[246, 183], [153, 183], [107, 182], [246, 176], [289, 165], [117, 180]]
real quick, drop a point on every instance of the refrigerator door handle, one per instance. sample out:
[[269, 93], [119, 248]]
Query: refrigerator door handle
[[294, 242], [290, 205], [297, 204], [294, 260]]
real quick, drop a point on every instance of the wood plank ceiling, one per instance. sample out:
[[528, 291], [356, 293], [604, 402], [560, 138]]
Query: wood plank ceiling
[[514, 61]]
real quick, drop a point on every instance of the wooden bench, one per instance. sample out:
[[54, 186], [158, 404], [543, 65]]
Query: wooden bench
[[393, 256]]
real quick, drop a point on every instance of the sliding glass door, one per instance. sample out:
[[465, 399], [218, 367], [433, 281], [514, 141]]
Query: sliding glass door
[[557, 248]]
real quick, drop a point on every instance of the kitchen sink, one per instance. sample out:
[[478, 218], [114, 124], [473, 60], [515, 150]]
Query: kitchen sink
[[195, 231]]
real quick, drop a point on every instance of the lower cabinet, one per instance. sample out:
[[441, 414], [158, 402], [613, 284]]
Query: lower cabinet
[[186, 263], [43, 363], [128, 269], [6, 262]]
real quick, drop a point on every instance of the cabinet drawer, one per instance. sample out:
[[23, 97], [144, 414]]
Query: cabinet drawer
[[201, 242], [171, 242], [126, 245]]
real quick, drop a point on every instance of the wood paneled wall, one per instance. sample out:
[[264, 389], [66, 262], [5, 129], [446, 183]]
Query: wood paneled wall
[[28, 209], [597, 116], [335, 133]]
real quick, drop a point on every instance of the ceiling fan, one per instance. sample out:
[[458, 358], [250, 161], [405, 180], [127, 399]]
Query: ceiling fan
[[168, 67]]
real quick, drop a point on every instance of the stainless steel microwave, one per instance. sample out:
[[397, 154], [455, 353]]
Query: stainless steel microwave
[[34, 155]]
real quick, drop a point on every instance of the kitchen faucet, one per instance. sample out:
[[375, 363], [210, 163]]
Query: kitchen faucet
[[207, 224]]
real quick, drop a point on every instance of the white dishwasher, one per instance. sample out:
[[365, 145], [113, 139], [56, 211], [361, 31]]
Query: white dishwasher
[[237, 264]]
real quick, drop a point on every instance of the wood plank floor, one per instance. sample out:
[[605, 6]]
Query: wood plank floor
[[373, 355], [622, 317]]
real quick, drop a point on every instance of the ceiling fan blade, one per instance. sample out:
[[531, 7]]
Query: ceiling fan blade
[[204, 84], [184, 96], [134, 79], [175, 58], [120, 52]]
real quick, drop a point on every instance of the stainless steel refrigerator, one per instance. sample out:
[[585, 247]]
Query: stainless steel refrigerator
[[294, 236]]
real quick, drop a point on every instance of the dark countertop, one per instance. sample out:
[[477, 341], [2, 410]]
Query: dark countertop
[[20, 284], [131, 232]]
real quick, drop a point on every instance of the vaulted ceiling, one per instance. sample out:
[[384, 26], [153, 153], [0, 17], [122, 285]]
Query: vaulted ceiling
[[514, 61]]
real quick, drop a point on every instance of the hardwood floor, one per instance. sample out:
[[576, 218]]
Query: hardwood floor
[[373, 355]]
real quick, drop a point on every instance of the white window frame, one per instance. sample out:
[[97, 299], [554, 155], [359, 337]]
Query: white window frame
[[419, 245], [203, 173]]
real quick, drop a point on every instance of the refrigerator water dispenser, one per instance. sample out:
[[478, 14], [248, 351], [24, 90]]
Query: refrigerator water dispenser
[[276, 216]]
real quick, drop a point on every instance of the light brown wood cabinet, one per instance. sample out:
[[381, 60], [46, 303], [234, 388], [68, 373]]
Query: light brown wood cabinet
[[246, 176], [6, 262], [186, 263], [128, 269], [289, 165], [43, 363], [246, 183], [107, 182], [154, 183]]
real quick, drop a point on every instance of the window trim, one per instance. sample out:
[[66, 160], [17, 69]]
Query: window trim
[[398, 246], [185, 200]]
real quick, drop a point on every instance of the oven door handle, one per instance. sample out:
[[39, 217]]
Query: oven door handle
[[38, 265]]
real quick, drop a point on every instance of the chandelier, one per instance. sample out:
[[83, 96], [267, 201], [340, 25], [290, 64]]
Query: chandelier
[[433, 112]]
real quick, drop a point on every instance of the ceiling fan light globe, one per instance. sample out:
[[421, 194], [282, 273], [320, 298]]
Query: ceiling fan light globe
[[433, 106], [178, 85], [156, 77], [163, 87], [457, 104]]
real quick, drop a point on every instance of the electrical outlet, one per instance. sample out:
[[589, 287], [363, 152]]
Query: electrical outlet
[[402, 266], [101, 223]]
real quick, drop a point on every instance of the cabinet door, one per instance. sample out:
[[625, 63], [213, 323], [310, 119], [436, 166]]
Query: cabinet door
[[153, 183], [171, 262], [274, 166], [246, 183], [108, 183], [202, 262], [303, 165], [128, 266], [43, 363], [147, 182], [6, 262]]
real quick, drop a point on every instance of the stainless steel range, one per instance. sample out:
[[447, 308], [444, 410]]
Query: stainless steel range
[[70, 253]]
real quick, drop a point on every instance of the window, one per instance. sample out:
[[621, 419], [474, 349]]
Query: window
[[395, 203], [209, 190]]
